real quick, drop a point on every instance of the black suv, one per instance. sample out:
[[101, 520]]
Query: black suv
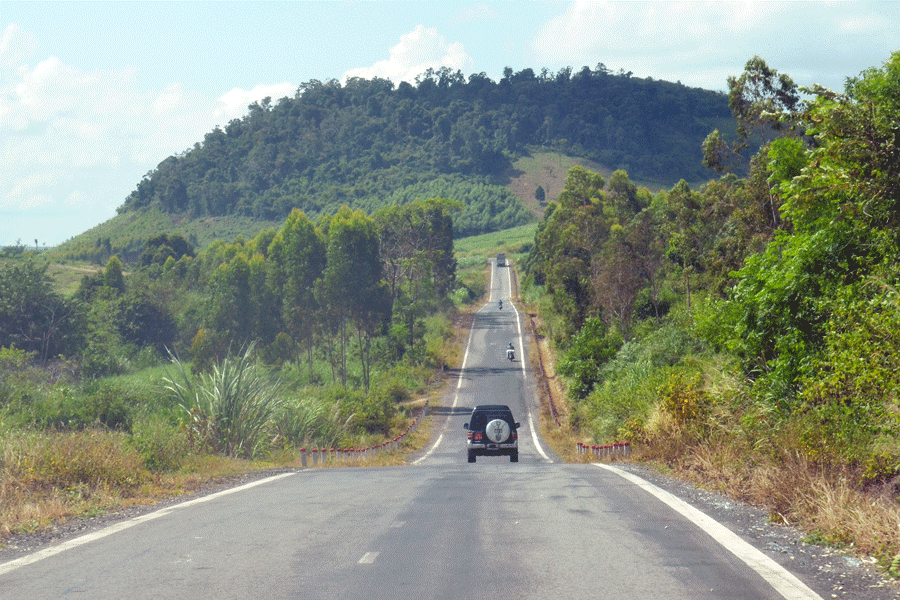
[[492, 431]]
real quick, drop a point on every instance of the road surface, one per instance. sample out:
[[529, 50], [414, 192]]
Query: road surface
[[439, 528]]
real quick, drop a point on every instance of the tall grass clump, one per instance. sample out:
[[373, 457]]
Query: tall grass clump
[[230, 409], [310, 421]]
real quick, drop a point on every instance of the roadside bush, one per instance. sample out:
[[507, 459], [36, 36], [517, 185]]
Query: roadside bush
[[590, 348], [162, 445], [683, 398], [95, 458], [65, 407], [311, 421], [365, 413], [229, 410], [621, 406]]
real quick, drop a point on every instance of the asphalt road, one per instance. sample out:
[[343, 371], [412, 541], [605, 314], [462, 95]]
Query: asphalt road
[[439, 528]]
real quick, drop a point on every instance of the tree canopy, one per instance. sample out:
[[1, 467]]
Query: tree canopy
[[367, 143]]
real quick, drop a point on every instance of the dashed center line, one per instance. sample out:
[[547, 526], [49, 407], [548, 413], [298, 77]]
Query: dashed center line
[[368, 558]]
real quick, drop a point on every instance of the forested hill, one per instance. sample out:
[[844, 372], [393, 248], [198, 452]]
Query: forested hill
[[367, 143]]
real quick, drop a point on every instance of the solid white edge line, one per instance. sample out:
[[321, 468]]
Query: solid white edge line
[[534, 437], [102, 533], [782, 580]]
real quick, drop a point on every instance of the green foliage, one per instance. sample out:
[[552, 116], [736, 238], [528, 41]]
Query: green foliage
[[361, 142], [589, 349], [74, 408], [621, 406], [310, 421], [163, 246], [162, 445], [683, 398], [366, 413], [34, 317], [229, 410], [850, 394]]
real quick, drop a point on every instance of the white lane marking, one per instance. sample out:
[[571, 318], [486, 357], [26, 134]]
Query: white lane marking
[[782, 580], [534, 437], [459, 382], [102, 533], [398, 524], [368, 558]]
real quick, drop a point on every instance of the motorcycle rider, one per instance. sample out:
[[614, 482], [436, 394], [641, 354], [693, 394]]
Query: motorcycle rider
[[510, 351], [501, 304]]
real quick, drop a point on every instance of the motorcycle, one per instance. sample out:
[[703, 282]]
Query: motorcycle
[[501, 305], [510, 354]]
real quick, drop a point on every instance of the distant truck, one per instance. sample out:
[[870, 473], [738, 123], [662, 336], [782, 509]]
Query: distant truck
[[501, 260]]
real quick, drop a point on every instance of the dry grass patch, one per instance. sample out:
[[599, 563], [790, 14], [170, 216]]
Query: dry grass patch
[[823, 501], [45, 477]]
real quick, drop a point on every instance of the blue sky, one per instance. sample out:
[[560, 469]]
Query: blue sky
[[93, 95]]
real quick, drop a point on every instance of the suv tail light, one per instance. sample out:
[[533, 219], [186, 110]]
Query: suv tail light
[[476, 436], [515, 434]]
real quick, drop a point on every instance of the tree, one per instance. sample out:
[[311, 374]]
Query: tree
[[416, 247], [352, 288], [843, 246], [764, 103], [35, 318], [142, 320], [113, 276], [297, 254], [229, 308], [573, 229], [683, 208]]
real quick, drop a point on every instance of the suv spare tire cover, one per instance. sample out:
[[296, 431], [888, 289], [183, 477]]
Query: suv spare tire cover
[[497, 431]]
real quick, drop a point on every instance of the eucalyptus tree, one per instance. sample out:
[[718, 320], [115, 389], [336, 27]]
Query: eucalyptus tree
[[297, 256], [416, 247], [352, 288]]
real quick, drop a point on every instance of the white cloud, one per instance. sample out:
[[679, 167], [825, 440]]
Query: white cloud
[[699, 42], [419, 50], [234, 103], [15, 45], [81, 140]]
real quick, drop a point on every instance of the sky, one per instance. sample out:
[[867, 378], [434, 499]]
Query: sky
[[94, 95]]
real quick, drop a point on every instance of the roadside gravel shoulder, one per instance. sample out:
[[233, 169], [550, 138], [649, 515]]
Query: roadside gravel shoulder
[[832, 572]]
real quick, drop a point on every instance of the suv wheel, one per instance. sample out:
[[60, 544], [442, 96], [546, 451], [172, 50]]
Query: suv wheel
[[514, 457], [471, 456]]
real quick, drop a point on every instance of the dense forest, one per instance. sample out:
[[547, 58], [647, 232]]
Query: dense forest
[[367, 143], [747, 331]]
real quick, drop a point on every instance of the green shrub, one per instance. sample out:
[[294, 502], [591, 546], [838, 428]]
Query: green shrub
[[589, 349], [683, 398], [310, 421], [630, 397], [230, 409], [162, 445]]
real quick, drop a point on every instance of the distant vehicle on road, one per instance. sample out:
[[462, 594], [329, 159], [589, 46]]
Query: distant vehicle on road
[[501, 260], [492, 431]]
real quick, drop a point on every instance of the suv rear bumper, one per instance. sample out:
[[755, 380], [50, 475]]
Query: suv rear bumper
[[492, 449]]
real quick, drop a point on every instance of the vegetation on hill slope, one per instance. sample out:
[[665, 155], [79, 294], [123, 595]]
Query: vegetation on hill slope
[[368, 143], [746, 331]]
